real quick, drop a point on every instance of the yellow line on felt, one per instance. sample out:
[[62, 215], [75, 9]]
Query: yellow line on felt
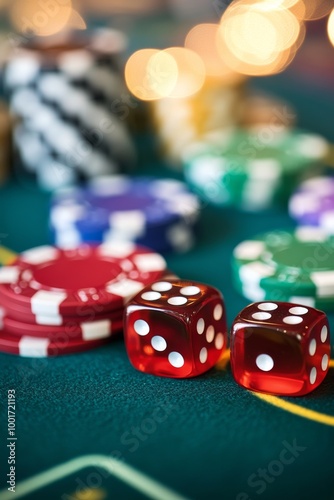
[[137, 480], [293, 408], [6, 256], [321, 418]]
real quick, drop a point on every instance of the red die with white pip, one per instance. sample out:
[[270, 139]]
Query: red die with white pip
[[280, 348], [175, 328]]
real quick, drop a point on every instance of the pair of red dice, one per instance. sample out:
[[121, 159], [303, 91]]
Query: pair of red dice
[[178, 329]]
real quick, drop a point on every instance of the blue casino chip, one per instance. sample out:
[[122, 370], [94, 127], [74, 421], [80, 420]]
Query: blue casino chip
[[159, 213]]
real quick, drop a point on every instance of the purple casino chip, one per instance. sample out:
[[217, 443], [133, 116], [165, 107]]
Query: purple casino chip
[[313, 203], [157, 212]]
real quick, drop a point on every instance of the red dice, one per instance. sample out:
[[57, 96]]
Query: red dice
[[175, 328], [280, 348]]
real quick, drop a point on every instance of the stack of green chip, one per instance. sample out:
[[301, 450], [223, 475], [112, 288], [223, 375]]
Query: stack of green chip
[[252, 169], [287, 266]]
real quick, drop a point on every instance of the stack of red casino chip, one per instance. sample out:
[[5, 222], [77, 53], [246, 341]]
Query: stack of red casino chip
[[56, 301]]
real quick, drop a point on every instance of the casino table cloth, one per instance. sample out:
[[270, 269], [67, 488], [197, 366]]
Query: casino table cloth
[[88, 426]]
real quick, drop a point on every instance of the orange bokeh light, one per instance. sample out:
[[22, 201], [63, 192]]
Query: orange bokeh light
[[330, 27], [76, 21], [316, 9], [202, 40], [286, 4], [150, 74], [175, 72], [307, 10], [258, 37], [41, 18], [190, 72]]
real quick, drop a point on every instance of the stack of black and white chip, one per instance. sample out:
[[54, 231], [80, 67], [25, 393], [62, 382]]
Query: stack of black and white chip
[[68, 99]]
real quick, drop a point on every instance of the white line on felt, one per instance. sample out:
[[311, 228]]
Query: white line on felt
[[138, 480]]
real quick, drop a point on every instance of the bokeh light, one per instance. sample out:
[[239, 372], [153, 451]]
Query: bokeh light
[[76, 21], [190, 72], [258, 37], [297, 8], [42, 19], [163, 72], [287, 4], [316, 9], [330, 27], [150, 74], [175, 72], [307, 10], [202, 40]]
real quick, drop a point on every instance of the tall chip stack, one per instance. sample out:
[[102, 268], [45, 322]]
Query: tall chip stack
[[69, 96], [183, 121]]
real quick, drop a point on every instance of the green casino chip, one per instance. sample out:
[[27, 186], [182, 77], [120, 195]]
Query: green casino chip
[[286, 265], [257, 294], [251, 169]]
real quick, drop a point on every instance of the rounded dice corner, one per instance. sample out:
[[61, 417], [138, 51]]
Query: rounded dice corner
[[280, 348]]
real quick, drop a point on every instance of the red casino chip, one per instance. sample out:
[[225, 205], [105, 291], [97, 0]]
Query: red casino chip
[[85, 314], [48, 281], [33, 347], [85, 331]]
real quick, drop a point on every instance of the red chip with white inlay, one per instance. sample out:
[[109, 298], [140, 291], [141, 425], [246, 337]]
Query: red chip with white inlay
[[84, 330], [33, 347], [50, 282], [86, 313]]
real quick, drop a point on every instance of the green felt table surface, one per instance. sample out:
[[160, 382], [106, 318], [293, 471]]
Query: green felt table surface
[[200, 438]]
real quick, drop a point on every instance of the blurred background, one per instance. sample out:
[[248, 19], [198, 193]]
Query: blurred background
[[193, 90]]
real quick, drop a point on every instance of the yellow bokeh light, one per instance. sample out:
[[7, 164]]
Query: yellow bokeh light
[[287, 4], [76, 21], [202, 40], [330, 27], [40, 18], [151, 74], [306, 10], [163, 73], [251, 34], [190, 72], [175, 72], [316, 9], [298, 9], [258, 37], [140, 82]]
